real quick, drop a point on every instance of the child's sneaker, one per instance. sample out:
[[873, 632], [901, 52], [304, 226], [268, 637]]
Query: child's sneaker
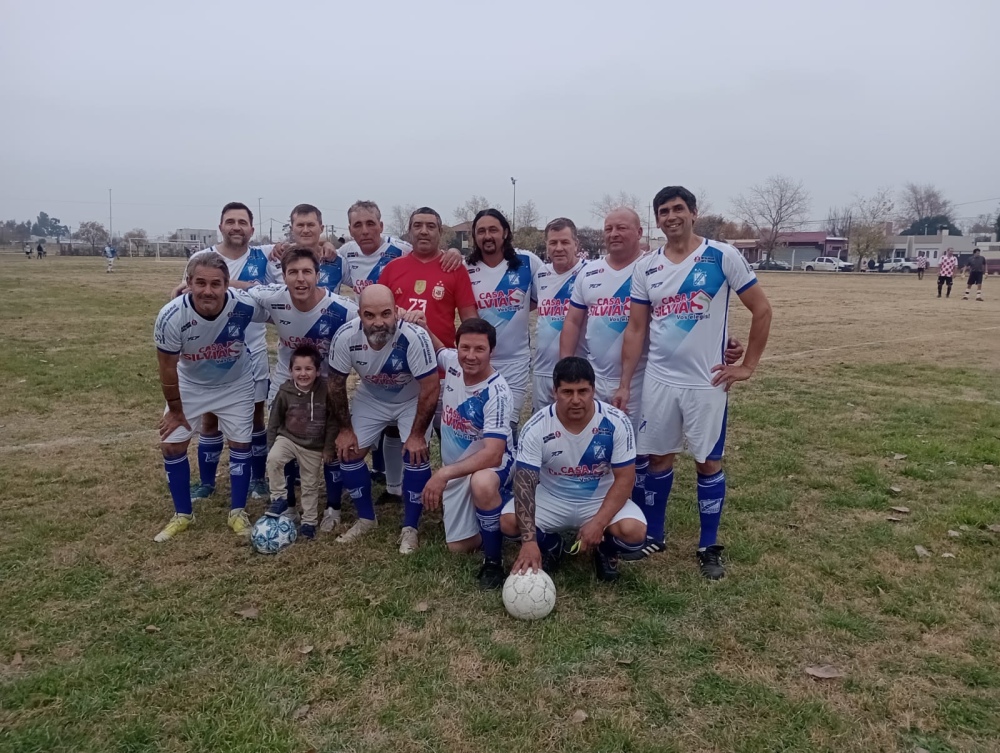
[[307, 530], [277, 508]]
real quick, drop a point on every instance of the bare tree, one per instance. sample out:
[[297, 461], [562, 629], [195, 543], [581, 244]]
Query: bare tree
[[919, 201], [93, 233], [871, 224], [609, 202], [709, 225], [773, 208], [527, 215], [984, 224], [473, 206], [838, 221], [398, 221]]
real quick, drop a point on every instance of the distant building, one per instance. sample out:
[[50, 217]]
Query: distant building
[[197, 236], [932, 246], [795, 247], [463, 236]]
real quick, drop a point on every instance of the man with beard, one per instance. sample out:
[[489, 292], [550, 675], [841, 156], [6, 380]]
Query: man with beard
[[206, 367], [399, 385], [501, 280]]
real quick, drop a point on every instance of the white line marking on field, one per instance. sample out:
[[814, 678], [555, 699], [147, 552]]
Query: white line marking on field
[[866, 344], [70, 441]]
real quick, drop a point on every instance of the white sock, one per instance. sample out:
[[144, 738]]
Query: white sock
[[392, 451]]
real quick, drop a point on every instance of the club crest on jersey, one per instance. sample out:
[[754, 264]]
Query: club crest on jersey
[[438, 292], [419, 286], [513, 277], [253, 270], [600, 453], [396, 363], [234, 330], [699, 278], [324, 329]]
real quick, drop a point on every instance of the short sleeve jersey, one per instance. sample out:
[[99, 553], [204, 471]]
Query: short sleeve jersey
[[503, 297], [552, 291], [605, 294], [314, 327], [390, 374], [576, 468], [211, 351], [361, 269], [688, 310], [946, 268], [470, 414], [423, 286]]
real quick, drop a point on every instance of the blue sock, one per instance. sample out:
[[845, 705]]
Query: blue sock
[[615, 544], [711, 497], [639, 489], [291, 476], [258, 446], [489, 530], [178, 469], [415, 478], [239, 478], [209, 452], [658, 487], [358, 481], [378, 457], [547, 542], [334, 485]]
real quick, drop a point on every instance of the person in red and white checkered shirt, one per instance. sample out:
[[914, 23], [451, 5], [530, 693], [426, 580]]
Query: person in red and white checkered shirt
[[946, 271], [921, 265]]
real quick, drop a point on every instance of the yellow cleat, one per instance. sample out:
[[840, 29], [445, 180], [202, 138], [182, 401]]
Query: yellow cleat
[[239, 522], [178, 524]]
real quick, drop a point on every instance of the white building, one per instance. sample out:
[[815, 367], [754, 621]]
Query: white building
[[932, 246], [197, 236]]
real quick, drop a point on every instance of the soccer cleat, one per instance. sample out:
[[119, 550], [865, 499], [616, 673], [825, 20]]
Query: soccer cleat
[[178, 524], [331, 519], [710, 561], [605, 564], [201, 491], [277, 508], [388, 498], [408, 540], [239, 522], [491, 575], [259, 489], [307, 530], [651, 547], [552, 558], [360, 528]]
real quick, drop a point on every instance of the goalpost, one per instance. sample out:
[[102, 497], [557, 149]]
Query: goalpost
[[162, 250]]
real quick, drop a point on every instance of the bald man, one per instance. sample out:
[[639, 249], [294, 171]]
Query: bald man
[[399, 387]]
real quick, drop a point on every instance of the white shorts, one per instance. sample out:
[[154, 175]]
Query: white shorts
[[261, 376], [552, 517], [460, 521], [673, 415], [516, 375], [541, 392], [232, 404], [370, 418], [605, 390]]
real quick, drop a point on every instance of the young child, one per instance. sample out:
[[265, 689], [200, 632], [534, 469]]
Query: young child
[[302, 428]]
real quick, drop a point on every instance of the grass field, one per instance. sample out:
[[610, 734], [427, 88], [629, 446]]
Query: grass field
[[109, 642]]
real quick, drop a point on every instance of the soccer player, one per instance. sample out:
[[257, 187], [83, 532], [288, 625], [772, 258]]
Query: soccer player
[[304, 313], [205, 366], [553, 284], [575, 471], [976, 267], [502, 282], [475, 447], [946, 271], [306, 227], [248, 266], [680, 304], [420, 282], [921, 265], [399, 385], [110, 253]]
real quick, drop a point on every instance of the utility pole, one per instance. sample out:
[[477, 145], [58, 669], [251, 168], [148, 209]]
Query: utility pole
[[111, 224], [649, 227], [513, 213], [260, 217]]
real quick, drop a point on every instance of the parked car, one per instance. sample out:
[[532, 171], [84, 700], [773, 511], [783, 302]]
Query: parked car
[[899, 265], [827, 264], [775, 264]]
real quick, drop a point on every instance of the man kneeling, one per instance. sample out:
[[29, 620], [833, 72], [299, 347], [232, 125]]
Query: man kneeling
[[575, 471]]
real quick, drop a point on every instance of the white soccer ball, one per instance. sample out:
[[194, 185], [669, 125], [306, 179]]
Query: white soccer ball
[[271, 535], [530, 596]]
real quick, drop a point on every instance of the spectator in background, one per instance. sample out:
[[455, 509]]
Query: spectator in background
[[40, 250], [946, 271], [921, 265], [976, 269]]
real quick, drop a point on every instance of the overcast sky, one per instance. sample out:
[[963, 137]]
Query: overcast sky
[[182, 106]]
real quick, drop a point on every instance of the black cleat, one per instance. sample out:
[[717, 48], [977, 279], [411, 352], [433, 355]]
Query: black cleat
[[387, 498], [491, 575], [552, 558], [710, 562], [651, 547], [606, 564]]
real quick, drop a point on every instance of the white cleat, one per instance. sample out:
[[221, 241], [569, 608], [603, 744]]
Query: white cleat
[[361, 527], [408, 540], [331, 519]]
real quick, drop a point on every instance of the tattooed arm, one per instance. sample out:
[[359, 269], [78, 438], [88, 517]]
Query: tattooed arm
[[525, 485], [347, 440]]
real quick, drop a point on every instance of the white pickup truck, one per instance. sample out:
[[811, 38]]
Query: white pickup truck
[[826, 264], [899, 265]]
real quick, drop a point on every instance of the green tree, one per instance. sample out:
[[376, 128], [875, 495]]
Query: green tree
[[591, 241], [931, 226]]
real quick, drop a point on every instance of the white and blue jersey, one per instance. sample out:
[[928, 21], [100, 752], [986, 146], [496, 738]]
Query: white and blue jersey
[[316, 327], [470, 414], [388, 375], [503, 298], [211, 352], [688, 308], [361, 269], [576, 469], [552, 292], [331, 275], [605, 294]]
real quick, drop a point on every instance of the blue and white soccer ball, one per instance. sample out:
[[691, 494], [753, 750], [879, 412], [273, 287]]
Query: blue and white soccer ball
[[271, 535], [530, 596]]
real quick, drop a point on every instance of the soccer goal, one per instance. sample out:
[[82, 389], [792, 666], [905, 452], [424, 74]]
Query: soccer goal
[[161, 250]]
